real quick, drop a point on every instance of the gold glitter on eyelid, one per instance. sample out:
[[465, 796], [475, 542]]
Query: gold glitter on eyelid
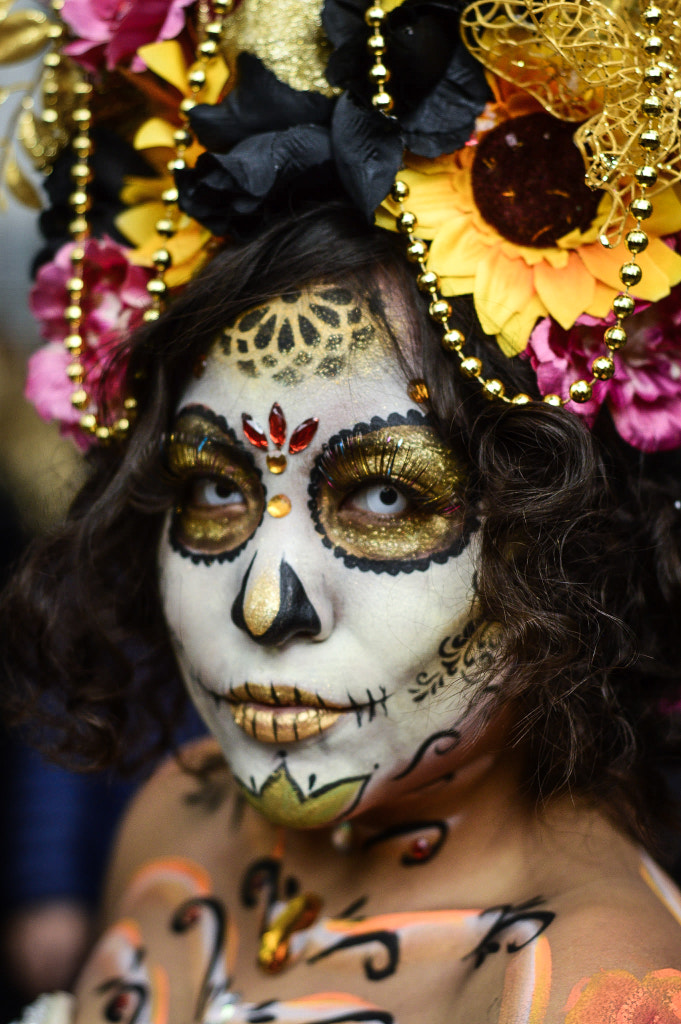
[[412, 456], [196, 448]]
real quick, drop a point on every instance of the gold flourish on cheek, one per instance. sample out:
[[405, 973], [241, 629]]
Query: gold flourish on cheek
[[207, 460], [414, 462]]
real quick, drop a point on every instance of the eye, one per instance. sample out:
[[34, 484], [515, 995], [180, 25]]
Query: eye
[[379, 499], [216, 494]]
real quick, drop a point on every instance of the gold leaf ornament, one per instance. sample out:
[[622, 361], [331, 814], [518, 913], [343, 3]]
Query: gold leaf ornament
[[23, 35], [585, 61], [18, 183]]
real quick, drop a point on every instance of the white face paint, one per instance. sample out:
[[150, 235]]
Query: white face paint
[[314, 606]]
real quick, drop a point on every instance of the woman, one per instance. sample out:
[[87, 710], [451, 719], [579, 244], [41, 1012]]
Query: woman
[[432, 631], [414, 639]]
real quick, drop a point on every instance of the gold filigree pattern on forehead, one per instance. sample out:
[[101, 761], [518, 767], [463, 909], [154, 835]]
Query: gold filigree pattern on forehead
[[600, 66], [301, 334]]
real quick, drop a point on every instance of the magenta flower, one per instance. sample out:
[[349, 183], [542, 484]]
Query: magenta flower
[[112, 31], [114, 300], [644, 396]]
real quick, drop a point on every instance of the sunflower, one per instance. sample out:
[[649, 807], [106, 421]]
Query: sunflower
[[532, 269]]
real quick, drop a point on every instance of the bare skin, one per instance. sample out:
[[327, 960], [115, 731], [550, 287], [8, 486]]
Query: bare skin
[[372, 854], [587, 875]]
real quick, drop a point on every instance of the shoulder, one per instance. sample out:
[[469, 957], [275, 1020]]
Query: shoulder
[[176, 813], [617, 957]]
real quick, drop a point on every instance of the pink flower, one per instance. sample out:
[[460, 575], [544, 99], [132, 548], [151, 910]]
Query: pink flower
[[644, 396], [114, 300], [113, 30]]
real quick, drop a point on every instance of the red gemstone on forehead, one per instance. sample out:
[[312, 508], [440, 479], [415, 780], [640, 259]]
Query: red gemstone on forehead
[[420, 849], [253, 431], [277, 425], [302, 435]]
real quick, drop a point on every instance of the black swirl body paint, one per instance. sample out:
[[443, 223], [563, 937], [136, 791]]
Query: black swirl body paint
[[374, 971], [187, 916], [508, 917]]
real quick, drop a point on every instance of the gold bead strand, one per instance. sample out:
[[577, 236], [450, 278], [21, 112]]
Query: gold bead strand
[[640, 209], [50, 92], [79, 202], [439, 309], [207, 49], [378, 72]]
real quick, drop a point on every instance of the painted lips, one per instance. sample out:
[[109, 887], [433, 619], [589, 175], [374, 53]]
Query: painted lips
[[281, 714]]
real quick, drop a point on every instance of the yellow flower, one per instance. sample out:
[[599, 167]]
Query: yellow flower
[[142, 196], [514, 285]]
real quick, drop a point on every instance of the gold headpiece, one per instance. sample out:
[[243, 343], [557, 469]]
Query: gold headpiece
[[529, 71]]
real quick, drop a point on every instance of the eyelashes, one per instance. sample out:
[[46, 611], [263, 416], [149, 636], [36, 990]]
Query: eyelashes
[[206, 524], [405, 458], [387, 499], [359, 460]]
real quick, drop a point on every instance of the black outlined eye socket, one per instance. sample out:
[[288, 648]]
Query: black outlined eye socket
[[387, 496], [222, 500]]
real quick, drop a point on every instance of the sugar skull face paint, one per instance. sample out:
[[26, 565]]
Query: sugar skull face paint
[[302, 662]]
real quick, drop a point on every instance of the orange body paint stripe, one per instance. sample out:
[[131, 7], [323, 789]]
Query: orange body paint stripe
[[169, 866], [395, 922], [160, 987], [527, 985]]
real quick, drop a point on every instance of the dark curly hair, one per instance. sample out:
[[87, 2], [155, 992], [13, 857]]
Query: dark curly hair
[[579, 548]]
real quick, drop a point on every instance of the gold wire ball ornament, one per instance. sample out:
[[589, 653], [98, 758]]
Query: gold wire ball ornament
[[652, 106]]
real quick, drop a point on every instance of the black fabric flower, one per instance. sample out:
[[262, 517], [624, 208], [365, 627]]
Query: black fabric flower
[[269, 143], [438, 87]]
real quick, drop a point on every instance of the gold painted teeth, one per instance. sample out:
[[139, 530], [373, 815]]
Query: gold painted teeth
[[283, 725]]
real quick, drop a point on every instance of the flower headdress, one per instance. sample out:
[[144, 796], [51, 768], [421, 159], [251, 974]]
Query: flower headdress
[[527, 150]]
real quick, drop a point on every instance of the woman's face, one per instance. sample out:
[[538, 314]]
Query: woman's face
[[317, 576]]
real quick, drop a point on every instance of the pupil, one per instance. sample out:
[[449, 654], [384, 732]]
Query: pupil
[[223, 490], [388, 495]]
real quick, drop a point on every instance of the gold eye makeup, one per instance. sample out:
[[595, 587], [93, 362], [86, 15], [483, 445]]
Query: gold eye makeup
[[222, 499], [387, 496]]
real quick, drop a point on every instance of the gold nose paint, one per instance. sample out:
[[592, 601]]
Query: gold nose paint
[[261, 605]]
